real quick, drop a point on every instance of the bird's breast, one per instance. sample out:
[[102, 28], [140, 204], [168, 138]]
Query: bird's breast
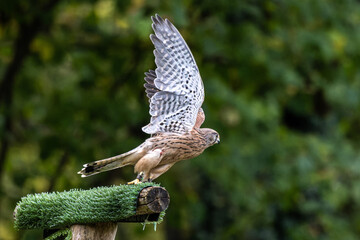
[[177, 147]]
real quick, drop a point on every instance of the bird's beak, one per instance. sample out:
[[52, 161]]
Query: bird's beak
[[217, 141]]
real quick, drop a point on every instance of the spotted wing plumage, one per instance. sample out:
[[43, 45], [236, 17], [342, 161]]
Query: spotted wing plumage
[[175, 88], [150, 87]]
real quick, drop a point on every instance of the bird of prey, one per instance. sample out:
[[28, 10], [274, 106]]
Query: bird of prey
[[176, 93]]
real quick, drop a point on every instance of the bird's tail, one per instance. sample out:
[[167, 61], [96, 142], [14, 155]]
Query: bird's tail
[[107, 164]]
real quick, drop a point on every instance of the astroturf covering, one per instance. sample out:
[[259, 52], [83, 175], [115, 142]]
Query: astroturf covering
[[63, 209]]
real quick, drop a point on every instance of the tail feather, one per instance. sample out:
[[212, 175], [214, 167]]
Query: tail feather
[[107, 164]]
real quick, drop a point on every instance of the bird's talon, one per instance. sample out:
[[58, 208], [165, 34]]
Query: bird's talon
[[136, 181]]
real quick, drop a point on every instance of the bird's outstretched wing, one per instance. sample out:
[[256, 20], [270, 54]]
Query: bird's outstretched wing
[[175, 88]]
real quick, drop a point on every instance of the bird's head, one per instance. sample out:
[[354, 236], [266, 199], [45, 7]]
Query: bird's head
[[210, 135]]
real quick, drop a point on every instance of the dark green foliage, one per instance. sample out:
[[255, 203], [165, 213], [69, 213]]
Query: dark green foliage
[[282, 87], [62, 209]]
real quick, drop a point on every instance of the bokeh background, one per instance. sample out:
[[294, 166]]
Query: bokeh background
[[282, 84]]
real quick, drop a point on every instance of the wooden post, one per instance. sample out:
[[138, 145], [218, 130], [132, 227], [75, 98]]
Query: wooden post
[[152, 200], [150, 203], [103, 231]]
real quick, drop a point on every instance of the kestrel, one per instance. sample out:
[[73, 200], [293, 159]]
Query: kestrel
[[176, 93]]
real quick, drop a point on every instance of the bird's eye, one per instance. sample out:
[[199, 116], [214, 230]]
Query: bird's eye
[[213, 138]]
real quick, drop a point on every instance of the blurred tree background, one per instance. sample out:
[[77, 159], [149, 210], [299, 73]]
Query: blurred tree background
[[282, 86]]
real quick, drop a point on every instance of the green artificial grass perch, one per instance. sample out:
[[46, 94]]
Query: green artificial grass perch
[[62, 209]]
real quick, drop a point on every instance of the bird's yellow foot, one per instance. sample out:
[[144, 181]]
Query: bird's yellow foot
[[136, 181]]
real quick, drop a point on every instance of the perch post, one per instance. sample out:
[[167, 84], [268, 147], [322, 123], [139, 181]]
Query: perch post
[[92, 213], [105, 231]]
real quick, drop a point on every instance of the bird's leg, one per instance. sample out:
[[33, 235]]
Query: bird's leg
[[137, 180], [140, 176]]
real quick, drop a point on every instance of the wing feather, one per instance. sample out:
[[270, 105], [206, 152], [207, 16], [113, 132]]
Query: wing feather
[[175, 88], [150, 87]]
